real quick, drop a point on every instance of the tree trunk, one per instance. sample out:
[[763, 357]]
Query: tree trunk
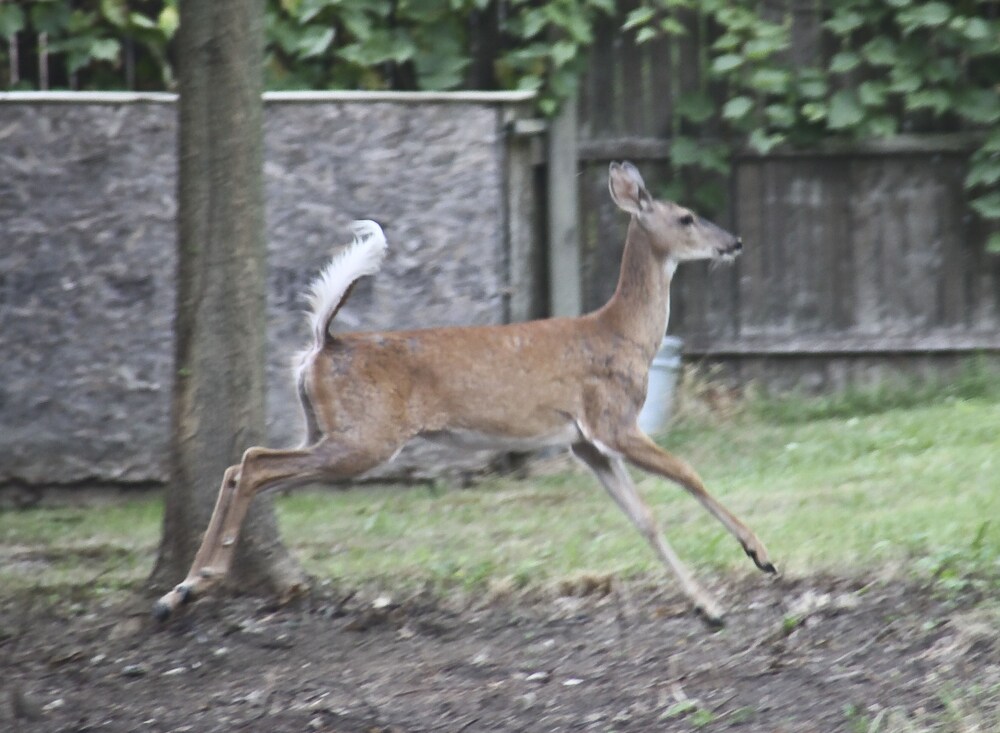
[[218, 394]]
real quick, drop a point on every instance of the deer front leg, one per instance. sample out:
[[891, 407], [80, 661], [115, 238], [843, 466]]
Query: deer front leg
[[639, 449], [611, 472]]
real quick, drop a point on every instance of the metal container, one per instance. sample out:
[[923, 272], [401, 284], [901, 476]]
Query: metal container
[[654, 418]]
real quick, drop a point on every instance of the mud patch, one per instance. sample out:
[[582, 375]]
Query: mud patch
[[806, 655]]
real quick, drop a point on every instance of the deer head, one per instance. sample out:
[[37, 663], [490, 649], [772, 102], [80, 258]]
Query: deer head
[[674, 231]]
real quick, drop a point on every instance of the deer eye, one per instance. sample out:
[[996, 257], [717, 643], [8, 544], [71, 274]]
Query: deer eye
[[687, 220]]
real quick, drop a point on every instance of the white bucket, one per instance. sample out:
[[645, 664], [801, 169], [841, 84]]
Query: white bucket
[[654, 417]]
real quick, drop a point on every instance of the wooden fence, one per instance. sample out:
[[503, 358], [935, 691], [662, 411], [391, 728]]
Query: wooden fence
[[855, 255], [858, 257]]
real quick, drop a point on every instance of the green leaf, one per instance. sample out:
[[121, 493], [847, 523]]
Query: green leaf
[[983, 173], [312, 41], [844, 21], [638, 17], [943, 70], [563, 52], [576, 24], [305, 10], [673, 27], [977, 29], [812, 84], [645, 35], [714, 157], [844, 61], [534, 21], [695, 106], [763, 142], [937, 100], [50, 17], [105, 49], [904, 80], [845, 111], [138, 20], [736, 18], [383, 45], [679, 709], [530, 83], [814, 111], [872, 93], [711, 196], [771, 81], [880, 126], [437, 70], [169, 21], [987, 206], [737, 108], [993, 243], [880, 51], [780, 115], [930, 15], [684, 151], [759, 49], [727, 42], [726, 62], [992, 142], [115, 12], [673, 191], [11, 20], [360, 25], [978, 105]]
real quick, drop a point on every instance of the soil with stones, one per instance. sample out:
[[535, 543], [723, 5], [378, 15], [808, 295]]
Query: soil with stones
[[816, 654]]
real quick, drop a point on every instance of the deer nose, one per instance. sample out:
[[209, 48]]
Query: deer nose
[[738, 247]]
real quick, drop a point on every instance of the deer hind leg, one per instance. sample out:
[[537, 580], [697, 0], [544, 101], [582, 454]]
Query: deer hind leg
[[640, 450], [260, 469], [611, 472]]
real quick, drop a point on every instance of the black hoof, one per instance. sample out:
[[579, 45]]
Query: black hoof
[[767, 567], [161, 611], [713, 621], [184, 591]]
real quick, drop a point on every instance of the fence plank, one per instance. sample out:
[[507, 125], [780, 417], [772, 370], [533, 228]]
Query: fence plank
[[851, 246], [565, 293]]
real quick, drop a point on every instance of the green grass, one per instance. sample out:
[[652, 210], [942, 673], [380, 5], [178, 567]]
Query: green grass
[[838, 495], [914, 488], [100, 548]]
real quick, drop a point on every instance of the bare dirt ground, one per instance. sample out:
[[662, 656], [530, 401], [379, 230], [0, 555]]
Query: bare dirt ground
[[804, 655]]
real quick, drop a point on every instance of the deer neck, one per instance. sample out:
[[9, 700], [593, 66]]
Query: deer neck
[[640, 307]]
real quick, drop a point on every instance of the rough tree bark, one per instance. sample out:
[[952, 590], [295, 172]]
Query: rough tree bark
[[218, 394]]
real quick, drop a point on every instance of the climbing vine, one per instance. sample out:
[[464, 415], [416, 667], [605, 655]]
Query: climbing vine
[[897, 66], [318, 44], [881, 67]]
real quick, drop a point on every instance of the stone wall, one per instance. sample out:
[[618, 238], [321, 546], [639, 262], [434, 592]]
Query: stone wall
[[87, 257]]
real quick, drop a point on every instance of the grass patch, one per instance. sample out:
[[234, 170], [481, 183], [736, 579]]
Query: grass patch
[[96, 549], [969, 709], [915, 487], [976, 380], [831, 494]]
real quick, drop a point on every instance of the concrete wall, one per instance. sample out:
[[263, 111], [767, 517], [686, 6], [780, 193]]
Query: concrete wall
[[87, 256]]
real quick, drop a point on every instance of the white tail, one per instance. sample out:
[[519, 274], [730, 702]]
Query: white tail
[[573, 382], [361, 257]]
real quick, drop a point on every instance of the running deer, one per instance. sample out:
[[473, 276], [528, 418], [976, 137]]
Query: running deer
[[573, 382]]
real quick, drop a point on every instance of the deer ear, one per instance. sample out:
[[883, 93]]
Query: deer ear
[[627, 188]]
